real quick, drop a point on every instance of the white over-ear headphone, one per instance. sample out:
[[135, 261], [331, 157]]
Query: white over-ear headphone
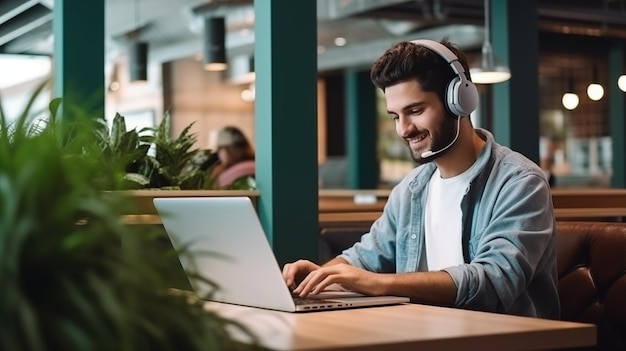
[[461, 94]]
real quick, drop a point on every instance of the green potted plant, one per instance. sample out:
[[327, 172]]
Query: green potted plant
[[174, 164], [170, 166], [73, 276]]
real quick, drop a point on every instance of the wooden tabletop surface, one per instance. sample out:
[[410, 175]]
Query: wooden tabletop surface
[[406, 327]]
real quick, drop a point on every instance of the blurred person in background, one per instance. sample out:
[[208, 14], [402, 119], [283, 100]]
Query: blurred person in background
[[235, 160]]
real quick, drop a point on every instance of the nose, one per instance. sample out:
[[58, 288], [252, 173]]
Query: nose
[[404, 127]]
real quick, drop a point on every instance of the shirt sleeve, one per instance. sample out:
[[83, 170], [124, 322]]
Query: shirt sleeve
[[514, 247], [376, 251]]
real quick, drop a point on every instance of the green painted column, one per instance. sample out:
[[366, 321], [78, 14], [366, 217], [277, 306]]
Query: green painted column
[[617, 114], [78, 29], [286, 126], [361, 131], [514, 33]]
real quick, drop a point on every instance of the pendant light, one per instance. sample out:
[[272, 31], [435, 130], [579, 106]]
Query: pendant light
[[621, 82], [570, 99], [595, 91], [138, 53], [214, 56], [491, 70]]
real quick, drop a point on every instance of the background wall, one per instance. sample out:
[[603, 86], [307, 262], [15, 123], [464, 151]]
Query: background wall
[[206, 99]]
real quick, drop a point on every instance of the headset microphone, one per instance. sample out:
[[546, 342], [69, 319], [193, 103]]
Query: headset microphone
[[430, 153], [461, 94]]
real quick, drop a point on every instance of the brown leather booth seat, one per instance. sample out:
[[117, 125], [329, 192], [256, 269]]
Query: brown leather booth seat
[[591, 261], [335, 239]]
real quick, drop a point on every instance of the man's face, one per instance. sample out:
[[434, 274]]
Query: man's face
[[421, 119]]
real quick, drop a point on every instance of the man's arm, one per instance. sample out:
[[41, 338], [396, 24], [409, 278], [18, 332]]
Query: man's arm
[[334, 261], [435, 288]]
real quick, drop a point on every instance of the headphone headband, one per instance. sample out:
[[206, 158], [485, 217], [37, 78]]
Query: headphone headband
[[439, 48], [461, 93]]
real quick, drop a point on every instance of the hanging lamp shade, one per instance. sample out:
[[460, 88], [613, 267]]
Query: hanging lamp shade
[[138, 56], [241, 69], [214, 54], [490, 70]]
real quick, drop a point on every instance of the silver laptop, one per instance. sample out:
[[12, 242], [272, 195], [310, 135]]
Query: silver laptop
[[221, 239]]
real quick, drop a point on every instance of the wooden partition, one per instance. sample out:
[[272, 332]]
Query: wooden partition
[[143, 211], [349, 207], [335, 206], [590, 204]]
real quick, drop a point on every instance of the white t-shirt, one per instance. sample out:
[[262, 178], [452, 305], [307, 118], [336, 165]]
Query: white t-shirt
[[443, 218]]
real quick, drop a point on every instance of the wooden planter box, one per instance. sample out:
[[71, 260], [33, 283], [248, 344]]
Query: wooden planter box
[[144, 212]]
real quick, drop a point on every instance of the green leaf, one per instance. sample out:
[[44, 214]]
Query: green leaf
[[73, 275]]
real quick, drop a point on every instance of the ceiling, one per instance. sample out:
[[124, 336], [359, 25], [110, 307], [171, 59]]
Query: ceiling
[[174, 27]]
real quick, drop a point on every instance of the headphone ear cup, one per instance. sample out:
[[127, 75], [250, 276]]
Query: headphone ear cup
[[462, 97]]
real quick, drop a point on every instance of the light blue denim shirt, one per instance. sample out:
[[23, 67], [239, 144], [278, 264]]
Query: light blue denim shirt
[[509, 235]]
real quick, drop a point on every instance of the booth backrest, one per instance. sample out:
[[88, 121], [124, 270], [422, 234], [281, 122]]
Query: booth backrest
[[591, 260], [335, 239]]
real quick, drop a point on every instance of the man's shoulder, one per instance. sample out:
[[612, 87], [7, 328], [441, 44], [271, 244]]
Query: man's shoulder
[[504, 154], [515, 160]]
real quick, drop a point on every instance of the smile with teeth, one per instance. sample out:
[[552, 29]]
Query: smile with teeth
[[417, 139]]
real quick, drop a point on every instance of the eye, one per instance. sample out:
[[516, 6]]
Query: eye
[[416, 111], [394, 117]]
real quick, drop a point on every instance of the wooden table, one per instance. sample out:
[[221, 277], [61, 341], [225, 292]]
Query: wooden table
[[406, 327]]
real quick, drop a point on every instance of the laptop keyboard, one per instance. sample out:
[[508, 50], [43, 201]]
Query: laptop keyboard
[[308, 301]]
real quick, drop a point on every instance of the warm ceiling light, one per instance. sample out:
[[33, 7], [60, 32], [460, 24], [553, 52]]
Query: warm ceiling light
[[214, 57], [490, 71], [115, 86], [621, 82], [340, 41], [241, 69], [595, 91], [249, 93], [138, 53], [570, 99], [138, 61], [490, 74]]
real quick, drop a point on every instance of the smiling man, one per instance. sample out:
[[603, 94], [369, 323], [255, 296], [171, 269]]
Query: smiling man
[[472, 226]]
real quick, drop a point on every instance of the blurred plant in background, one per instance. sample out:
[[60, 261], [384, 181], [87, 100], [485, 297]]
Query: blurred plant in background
[[173, 165], [170, 167], [73, 276]]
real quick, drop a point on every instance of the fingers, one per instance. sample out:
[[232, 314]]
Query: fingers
[[293, 272], [305, 277], [317, 281], [289, 274]]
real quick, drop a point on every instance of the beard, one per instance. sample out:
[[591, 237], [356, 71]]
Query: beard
[[442, 136]]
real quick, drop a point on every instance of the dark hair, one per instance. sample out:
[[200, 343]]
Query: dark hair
[[235, 141], [231, 135], [408, 61]]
